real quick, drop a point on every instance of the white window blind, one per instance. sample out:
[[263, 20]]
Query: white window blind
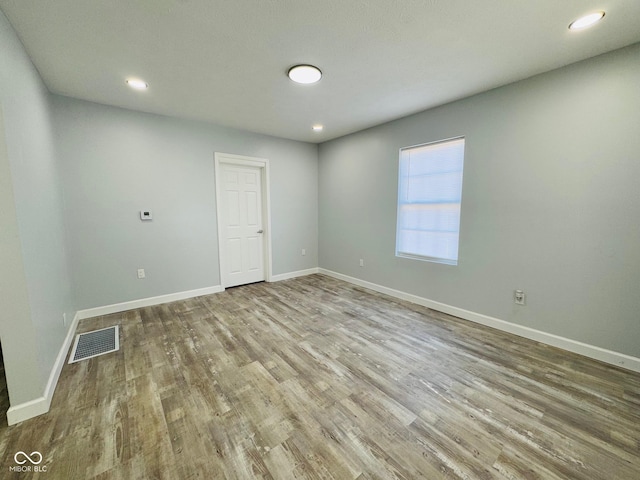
[[429, 197]]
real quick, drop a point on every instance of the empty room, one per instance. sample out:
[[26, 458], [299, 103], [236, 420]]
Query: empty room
[[285, 239]]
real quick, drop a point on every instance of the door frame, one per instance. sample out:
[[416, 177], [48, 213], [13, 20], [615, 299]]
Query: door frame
[[263, 164]]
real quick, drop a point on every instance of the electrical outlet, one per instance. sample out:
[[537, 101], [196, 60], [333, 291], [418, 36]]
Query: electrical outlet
[[362, 262], [141, 273], [304, 252], [519, 297]]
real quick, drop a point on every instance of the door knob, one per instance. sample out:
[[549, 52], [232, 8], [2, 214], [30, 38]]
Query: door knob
[[260, 231]]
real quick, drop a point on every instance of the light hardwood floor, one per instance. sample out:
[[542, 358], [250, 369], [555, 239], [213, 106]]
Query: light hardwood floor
[[317, 378]]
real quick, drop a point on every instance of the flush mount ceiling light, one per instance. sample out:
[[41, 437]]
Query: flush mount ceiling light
[[317, 128], [137, 84], [586, 21], [305, 74]]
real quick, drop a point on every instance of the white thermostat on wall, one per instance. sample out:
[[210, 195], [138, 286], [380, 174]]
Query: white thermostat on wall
[[146, 215]]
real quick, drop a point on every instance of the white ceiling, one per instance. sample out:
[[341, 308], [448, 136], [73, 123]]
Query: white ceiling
[[225, 61]]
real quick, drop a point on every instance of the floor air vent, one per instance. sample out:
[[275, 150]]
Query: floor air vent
[[92, 344]]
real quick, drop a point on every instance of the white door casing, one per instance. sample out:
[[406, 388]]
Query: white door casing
[[242, 194]]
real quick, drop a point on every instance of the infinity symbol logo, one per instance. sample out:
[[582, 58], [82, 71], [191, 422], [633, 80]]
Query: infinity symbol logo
[[31, 458]]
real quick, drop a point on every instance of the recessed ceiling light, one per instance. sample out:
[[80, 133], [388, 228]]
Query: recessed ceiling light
[[317, 128], [137, 84], [305, 74], [586, 21]]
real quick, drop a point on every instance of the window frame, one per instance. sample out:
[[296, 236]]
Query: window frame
[[414, 256]]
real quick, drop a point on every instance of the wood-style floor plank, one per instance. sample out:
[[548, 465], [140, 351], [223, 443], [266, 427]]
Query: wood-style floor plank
[[314, 378]]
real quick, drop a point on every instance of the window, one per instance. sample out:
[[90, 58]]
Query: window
[[429, 196]]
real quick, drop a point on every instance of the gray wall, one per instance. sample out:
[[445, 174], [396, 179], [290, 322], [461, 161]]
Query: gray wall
[[117, 162], [34, 274], [551, 203]]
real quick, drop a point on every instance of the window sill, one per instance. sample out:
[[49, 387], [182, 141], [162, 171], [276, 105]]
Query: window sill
[[444, 261]]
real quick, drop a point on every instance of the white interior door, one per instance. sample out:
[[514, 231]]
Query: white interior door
[[242, 224]]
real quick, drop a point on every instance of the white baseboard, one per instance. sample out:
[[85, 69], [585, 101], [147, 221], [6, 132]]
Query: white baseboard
[[172, 297], [299, 273], [25, 411], [38, 406], [33, 408], [147, 302], [608, 356]]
